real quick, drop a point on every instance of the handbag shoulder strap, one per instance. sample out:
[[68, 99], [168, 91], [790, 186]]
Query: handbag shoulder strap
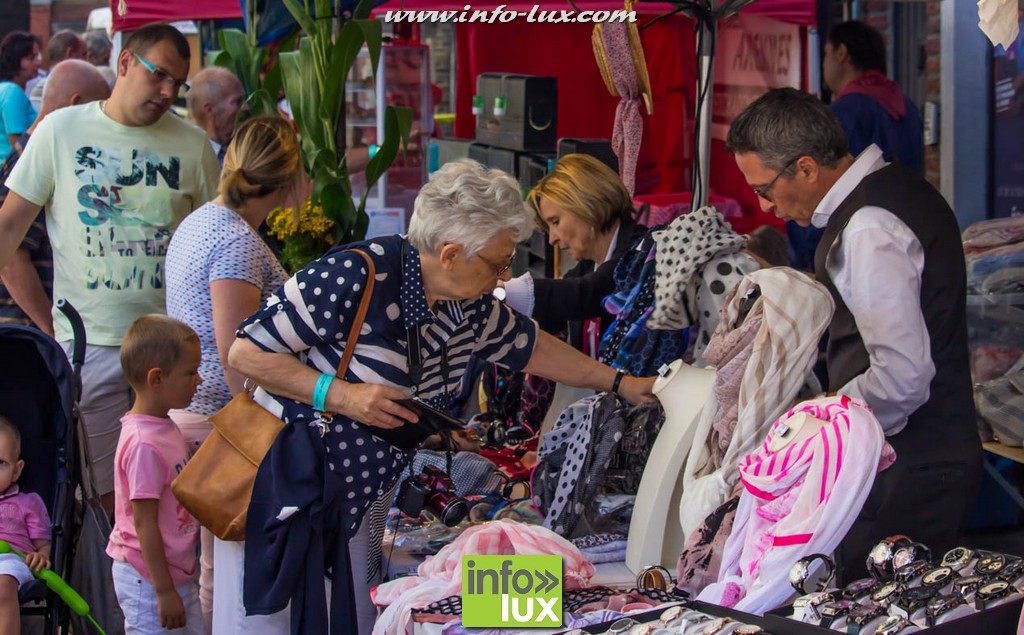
[[357, 323], [357, 326]]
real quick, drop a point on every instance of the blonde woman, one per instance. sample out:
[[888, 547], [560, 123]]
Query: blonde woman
[[586, 210], [219, 270]]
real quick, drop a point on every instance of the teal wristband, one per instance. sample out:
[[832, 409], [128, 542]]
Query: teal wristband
[[320, 391], [372, 149]]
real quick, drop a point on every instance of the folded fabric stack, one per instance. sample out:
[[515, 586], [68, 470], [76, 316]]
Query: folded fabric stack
[[994, 250]]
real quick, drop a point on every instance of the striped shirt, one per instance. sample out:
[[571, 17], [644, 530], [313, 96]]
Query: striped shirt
[[36, 242], [310, 316]]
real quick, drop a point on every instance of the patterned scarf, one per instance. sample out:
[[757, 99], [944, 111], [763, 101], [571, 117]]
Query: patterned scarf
[[683, 247]]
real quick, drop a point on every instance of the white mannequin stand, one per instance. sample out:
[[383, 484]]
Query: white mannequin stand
[[655, 535]]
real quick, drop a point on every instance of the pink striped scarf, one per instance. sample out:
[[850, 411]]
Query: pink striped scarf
[[798, 501]]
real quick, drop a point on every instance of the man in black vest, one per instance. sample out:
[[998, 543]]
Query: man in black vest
[[892, 258]]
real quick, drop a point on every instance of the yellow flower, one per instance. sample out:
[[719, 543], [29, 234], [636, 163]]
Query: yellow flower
[[284, 223]]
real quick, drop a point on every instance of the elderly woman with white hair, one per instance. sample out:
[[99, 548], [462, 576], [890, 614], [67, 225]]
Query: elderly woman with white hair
[[431, 311]]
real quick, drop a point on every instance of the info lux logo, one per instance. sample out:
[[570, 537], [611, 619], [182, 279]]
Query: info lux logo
[[511, 591]]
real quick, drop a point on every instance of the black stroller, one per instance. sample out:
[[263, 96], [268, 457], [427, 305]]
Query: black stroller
[[38, 392]]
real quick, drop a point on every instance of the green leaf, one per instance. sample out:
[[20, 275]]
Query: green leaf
[[344, 54], [397, 125], [219, 58], [373, 34], [363, 10], [246, 62], [301, 15]]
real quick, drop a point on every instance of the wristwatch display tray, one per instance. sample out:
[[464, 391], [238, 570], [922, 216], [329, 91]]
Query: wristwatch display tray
[[999, 620], [703, 607]]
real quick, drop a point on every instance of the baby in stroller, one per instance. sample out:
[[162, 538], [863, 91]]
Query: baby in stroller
[[24, 523]]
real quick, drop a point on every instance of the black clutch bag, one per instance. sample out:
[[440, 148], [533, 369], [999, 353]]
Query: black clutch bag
[[411, 435]]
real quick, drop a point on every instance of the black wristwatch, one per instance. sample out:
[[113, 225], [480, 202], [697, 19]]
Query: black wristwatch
[[967, 587], [910, 553], [1012, 571], [937, 577], [834, 611], [886, 593], [940, 605], [990, 564], [991, 593], [859, 589], [803, 569], [896, 625], [910, 600], [861, 616], [958, 558], [911, 571], [879, 562]]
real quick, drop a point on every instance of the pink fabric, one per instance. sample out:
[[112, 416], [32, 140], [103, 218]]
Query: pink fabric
[[728, 351], [798, 501], [441, 576], [886, 92], [23, 518], [150, 453], [629, 123]]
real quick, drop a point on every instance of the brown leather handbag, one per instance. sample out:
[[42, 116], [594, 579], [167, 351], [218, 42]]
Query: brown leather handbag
[[216, 484]]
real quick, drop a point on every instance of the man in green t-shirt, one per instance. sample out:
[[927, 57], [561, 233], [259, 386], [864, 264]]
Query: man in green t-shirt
[[116, 177]]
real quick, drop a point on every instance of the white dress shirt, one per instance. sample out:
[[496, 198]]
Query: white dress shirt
[[519, 291], [876, 265]]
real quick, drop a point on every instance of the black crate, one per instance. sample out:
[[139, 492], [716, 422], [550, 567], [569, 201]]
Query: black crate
[[530, 121]]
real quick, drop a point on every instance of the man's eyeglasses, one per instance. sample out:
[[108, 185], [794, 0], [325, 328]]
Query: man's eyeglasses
[[765, 191], [161, 75], [498, 268]]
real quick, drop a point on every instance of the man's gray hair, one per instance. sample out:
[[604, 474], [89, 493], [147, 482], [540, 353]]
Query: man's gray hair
[[785, 124], [97, 44], [468, 204]]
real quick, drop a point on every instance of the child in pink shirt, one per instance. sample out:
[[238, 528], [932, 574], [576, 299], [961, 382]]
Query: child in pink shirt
[[154, 539], [24, 524]]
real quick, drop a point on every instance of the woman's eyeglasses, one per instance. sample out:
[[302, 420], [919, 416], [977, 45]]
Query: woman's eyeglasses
[[161, 75], [498, 268]]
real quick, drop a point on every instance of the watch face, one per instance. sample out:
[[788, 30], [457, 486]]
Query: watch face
[[903, 557], [994, 588], [911, 570], [937, 576], [621, 626], [886, 592], [747, 629], [1012, 570], [671, 614], [798, 574], [957, 557], [859, 588], [917, 595], [990, 564]]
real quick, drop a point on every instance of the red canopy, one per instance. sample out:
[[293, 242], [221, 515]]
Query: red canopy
[[795, 11], [143, 12]]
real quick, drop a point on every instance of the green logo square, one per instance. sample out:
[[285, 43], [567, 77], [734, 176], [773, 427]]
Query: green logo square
[[512, 591]]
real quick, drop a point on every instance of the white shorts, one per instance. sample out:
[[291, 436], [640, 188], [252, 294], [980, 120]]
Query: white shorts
[[138, 603], [15, 567], [106, 397]]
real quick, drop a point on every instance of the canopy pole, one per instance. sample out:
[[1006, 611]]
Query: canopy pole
[[705, 86]]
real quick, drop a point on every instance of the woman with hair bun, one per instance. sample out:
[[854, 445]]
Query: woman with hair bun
[[219, 270]]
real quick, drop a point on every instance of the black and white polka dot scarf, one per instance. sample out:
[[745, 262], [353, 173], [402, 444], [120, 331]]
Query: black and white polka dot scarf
[[683, 248]]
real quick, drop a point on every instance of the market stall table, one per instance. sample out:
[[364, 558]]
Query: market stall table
[[1012, 453]]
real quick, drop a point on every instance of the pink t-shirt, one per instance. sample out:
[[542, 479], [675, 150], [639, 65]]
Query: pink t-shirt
[[23, 518], [150, 453]]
